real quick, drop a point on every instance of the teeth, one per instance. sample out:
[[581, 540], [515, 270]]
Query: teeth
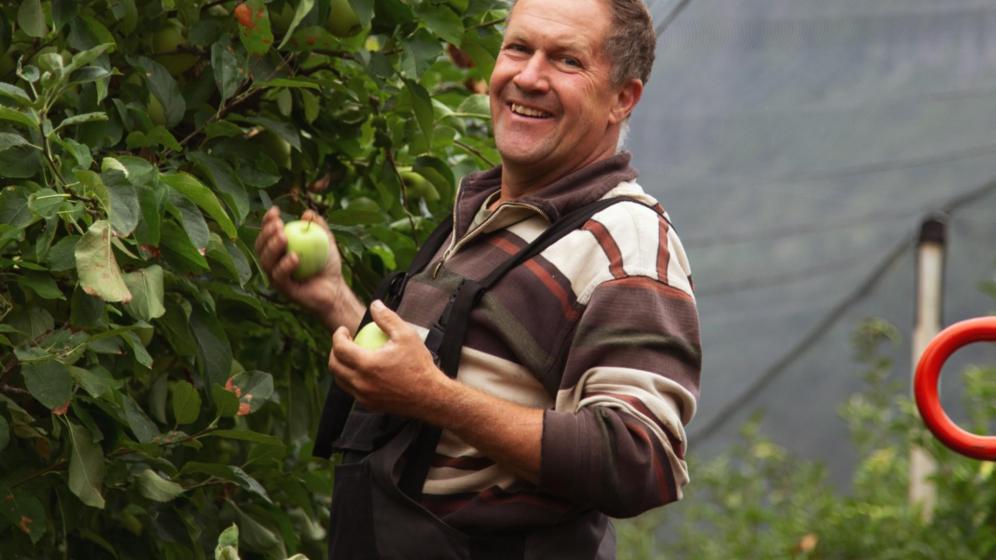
[[526, 111]]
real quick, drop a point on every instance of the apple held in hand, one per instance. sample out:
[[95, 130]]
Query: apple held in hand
[[310, 243], [371, 337]]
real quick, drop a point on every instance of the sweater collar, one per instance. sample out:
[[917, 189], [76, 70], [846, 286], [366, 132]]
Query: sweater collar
[[576, 189]]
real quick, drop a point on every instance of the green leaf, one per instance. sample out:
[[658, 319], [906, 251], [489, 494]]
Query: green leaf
[[254, 27], [421, 50], [86, 467], [49, 382], [80, 152], [191, 219], [230, 550], [63, 11], [225, 401], [99, 274], [137, 348], [283, 129], [98, 116], [15, 94], [258, 537], [296, 83], [256, 388], [10, 140], [196, 192], [441, 20], [46, 203], [96, 381], [14, 208], [40, 283], [225, 180], [156, 488], [177, 245], [124, 210], [186, 402], [229, 73], [248, 435], [229, 537], [163, 87], [28, 119], [146, 287], [214, 353], [84, 58], [141, 425], [24, 511], [422, 106], [303, 7], [31, 18]]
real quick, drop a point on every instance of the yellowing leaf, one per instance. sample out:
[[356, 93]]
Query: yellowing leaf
[[98, 270]]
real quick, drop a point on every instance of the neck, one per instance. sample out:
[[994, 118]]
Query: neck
[[520, 180]]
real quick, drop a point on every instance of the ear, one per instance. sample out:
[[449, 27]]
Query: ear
[[626, 98]]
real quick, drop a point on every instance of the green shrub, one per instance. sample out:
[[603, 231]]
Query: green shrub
[[756, 500], [153, 389]]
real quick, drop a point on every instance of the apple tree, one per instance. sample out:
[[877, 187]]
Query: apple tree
[[154, 390]]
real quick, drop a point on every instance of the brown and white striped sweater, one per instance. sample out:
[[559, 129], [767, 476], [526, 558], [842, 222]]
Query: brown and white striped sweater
[[600, 330]]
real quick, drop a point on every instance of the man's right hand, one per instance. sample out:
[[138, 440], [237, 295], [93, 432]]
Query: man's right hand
[[325, 294]]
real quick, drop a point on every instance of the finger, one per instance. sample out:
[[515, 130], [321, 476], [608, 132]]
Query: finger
[[312, 216], [390, 322], [315, 217], [342, 375], [274, 247], [344, 350], [270, 223], [282, 270]]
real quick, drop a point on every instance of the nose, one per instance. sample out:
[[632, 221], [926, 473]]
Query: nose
[[533, 75]]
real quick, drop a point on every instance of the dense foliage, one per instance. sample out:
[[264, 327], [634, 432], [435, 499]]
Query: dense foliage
[[153, 389], [756, 500]]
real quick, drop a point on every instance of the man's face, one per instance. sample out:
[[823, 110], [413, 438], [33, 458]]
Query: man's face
[[552, 98]]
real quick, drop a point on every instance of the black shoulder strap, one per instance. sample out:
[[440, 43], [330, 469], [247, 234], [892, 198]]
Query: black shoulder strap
[[339, 403], [446, 337]]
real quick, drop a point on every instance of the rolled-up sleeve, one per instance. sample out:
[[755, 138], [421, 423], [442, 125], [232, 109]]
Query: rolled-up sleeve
[[615, 439]]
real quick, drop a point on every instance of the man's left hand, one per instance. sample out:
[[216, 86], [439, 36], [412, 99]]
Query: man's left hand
[[399, 378]]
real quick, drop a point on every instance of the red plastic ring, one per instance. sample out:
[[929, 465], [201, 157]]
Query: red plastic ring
[[928, 372]]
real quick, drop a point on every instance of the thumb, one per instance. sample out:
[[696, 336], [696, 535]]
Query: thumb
[[312, 216], [390, 322]]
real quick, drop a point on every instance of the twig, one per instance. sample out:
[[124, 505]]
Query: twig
[[474, 151]]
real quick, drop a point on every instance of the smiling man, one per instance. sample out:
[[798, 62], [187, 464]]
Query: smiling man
[[579, 368]]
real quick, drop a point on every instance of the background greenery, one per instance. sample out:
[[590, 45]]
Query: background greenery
[[153, 389], [757, 501]]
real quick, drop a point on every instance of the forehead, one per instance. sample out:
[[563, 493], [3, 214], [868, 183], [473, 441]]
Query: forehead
[[575, 24]]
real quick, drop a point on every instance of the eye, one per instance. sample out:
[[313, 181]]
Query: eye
[[516, 47], [571, 61]]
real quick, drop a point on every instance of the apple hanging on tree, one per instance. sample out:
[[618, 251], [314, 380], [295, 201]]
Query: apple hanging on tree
[[311, 245]]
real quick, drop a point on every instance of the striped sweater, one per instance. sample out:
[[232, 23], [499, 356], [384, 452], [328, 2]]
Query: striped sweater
[[600, 330]]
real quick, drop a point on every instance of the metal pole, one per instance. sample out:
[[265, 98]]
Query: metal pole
[[927, 323]]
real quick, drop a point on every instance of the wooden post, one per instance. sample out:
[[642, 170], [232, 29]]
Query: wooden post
[[927, 323]]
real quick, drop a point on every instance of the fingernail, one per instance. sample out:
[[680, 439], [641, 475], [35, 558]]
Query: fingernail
[[377, 305]]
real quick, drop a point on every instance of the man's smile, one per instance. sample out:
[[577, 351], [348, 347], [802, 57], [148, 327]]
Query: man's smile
[[530, 112]]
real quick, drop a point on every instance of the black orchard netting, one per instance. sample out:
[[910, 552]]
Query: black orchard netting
[[798, 144]]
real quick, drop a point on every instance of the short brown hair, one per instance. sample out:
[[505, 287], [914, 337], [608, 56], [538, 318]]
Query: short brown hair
[[632, 41]]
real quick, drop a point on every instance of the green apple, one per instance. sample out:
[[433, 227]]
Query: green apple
[[419, 185], [342, 20], [371, 337], [155, 110], [274, 147], [168, 37], [310, 243]]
